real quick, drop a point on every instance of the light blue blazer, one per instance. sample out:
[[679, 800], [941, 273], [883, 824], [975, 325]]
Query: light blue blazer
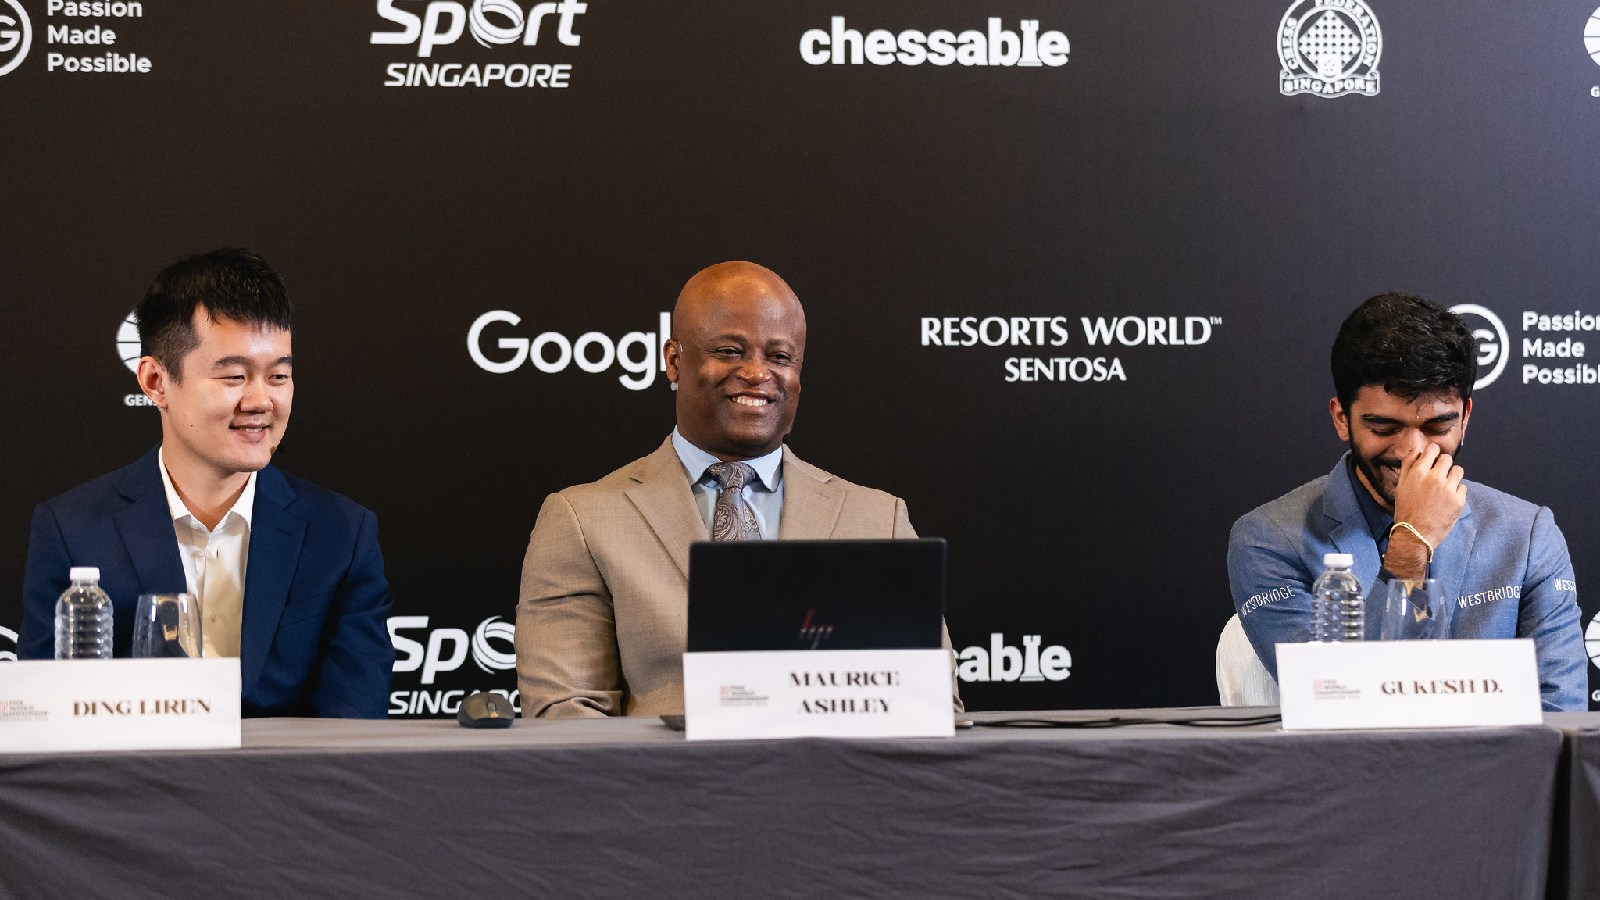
[[1505, 565]]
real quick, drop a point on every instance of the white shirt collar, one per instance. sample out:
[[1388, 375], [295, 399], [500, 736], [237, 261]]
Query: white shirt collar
[[696, 461], [244, 507]]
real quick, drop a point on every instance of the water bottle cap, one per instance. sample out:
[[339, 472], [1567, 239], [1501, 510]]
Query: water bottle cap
[[84, 573], [1338, 560]]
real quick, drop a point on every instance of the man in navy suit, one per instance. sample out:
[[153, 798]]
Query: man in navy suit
[[1403, 371], [289, 575]]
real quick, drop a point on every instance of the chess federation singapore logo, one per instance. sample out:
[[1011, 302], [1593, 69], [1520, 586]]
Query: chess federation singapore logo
[[1329, 48], [16, 35], [1494, 344]]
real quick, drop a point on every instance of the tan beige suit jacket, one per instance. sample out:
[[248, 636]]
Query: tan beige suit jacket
[[603, 618]]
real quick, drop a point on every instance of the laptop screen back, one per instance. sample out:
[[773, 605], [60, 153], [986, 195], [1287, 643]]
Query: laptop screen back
[[816, 595]]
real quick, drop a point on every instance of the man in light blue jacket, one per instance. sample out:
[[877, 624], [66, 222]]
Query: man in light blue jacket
[[1403, 370]]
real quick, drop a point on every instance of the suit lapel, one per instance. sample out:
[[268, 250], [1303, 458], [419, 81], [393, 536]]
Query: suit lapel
[[275, 540], [811, 501], [1349, 526], [145, 526], [662, 496], [1455, 552]]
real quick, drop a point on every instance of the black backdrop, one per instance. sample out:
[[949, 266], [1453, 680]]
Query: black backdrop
[[1160, 172]]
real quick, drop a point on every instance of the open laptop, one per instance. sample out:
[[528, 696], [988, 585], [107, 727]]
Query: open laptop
[[816, 595]]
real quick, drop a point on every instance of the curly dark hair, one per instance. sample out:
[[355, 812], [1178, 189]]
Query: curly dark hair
[[1409, 346], [231, 283]]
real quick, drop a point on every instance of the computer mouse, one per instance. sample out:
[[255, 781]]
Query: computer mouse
[[486, 709]]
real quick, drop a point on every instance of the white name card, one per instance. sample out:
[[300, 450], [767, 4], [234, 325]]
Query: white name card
[[1408, 684], [118, 704], [817, 693]]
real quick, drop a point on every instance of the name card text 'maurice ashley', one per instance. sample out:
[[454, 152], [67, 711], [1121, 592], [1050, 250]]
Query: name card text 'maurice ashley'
[[1408, 684], [817, 693], [119, 704]]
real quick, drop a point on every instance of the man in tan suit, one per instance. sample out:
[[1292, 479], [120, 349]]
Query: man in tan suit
[[603, 618]]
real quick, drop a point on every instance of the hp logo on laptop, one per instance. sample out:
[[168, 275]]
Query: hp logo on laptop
[[816, 634]]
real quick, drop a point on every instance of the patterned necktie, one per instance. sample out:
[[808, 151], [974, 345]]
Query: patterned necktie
[[732, 519]]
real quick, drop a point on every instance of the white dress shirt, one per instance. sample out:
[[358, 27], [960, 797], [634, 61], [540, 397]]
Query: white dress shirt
[[764, 496], [214, 563]]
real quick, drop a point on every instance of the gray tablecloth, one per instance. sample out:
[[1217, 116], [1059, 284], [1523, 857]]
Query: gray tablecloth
[[1575, 853], [629, 809]]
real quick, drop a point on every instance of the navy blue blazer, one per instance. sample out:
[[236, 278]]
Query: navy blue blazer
[[314, 639]]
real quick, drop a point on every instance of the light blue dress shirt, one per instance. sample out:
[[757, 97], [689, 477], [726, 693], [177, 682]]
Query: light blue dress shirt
[[764, 496]]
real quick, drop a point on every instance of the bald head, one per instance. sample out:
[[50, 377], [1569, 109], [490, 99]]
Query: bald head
[[738, 339], [730, 282]]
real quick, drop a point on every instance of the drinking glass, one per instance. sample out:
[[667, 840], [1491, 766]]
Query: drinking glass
[[166, 625], [1409, 610]]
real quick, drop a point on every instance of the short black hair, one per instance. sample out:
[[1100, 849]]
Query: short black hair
[[231, 283], [1405, 344]]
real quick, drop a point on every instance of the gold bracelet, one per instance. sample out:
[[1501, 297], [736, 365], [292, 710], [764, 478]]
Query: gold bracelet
[[1413, 529]]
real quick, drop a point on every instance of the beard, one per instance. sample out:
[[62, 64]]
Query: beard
[[1372, 469]]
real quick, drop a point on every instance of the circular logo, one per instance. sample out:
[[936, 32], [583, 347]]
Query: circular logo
[[1330, 48], [1591, 37], [1329, 39], [16, 35], [1591, 640], [1493, 341], [12, 636], [487, 32], [128, 346], [485, 655]]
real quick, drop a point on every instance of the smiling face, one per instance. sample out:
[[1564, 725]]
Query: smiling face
[[228, 412], [739, 337], [1384, 430]]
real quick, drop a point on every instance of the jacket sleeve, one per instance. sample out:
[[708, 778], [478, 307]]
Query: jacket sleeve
[[42, 583], [568, 664], [357, 659], [1549, 614], [1271, 587]]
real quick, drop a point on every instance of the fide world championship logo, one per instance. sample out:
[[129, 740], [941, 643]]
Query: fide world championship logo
[[1591, 37], [128, 345], [1591, 644], [1329, 48]]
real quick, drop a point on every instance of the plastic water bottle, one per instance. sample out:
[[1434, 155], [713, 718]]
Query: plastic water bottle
[[1337, 610], [83, 617]]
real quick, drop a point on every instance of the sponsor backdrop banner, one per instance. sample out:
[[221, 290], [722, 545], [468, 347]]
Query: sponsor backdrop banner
[[1071, 267]]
